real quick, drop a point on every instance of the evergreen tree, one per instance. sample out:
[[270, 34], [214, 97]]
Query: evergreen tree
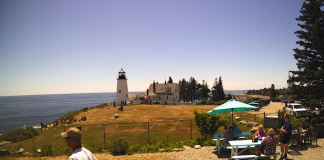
[[307, 83], [204, 90], [183, 90], [229, 96], [193, 89], [214, 88], [272, 91], [218, 90], [170, 80]]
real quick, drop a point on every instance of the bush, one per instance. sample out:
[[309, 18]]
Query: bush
[[95, 147], [47, 150], [119, 147], [134, 149], [63, 150], [191, 143], [208, 123], [20, 134], [101, 105], [149, 148]]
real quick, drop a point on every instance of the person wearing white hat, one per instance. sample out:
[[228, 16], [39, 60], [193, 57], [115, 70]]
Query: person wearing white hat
[[236, 128], [73, 140]]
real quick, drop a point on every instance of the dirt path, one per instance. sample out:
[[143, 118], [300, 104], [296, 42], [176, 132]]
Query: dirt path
[[270, 110]]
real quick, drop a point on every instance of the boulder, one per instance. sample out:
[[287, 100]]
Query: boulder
[[5, 152], [197, 146], [254, 129], [252, 124], [243, 122], [21, 150], [178, 149], [161, 150], [26, 154]]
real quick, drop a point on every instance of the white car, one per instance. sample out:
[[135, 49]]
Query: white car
[[296, 109], [317, 110]]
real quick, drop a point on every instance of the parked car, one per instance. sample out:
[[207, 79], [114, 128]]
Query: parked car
[[260, 102], [296, 109], [319, 109], [255, 105]]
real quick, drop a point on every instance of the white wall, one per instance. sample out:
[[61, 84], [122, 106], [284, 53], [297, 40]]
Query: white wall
[[122, 87]]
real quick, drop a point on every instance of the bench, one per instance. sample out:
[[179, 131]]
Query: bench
[[240, 147], [255, 156]]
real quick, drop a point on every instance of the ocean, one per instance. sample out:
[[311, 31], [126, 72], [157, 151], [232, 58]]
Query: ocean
[[19, 111]]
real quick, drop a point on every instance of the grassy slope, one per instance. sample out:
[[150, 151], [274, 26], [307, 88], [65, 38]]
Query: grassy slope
[[134, 133]]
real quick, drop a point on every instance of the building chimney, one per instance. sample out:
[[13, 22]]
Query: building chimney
[[153, 86]]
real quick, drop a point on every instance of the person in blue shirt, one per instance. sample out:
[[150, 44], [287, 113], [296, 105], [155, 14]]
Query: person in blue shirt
[[236, 129]]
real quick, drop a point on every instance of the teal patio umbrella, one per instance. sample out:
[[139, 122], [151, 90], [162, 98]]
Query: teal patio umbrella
[[232, 106]]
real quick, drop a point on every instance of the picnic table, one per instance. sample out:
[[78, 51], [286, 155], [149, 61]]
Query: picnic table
[[219, 137], [245, 144]]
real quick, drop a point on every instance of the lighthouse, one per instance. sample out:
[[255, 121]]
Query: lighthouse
[[122, 90]]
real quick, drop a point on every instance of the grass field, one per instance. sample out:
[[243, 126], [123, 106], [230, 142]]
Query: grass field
[[132, 125]]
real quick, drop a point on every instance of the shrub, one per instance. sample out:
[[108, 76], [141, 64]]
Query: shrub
[[208, 123], [47, 150], [63, 150], [149, 148], [134, 149], [95, 147], [20, 134], [191, 143], [101, 105], [119, 147]]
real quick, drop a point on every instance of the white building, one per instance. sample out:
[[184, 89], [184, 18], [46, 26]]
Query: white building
[[122, 90]]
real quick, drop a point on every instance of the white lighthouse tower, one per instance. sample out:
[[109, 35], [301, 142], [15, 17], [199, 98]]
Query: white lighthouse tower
[[122, 90]]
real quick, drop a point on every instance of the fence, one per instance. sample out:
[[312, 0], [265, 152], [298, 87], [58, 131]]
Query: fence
[[133, 132]]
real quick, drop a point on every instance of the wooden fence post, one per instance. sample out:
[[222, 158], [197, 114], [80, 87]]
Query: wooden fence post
[[104, 133], [190, 128], [148, 132]]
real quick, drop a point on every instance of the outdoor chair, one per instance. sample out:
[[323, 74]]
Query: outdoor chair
[[312, 136]]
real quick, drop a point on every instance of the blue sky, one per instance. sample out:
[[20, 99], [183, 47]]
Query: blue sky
[[54, 47]]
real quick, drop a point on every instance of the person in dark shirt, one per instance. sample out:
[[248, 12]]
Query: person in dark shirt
[[286, 135], [229, 135], [305, 128]]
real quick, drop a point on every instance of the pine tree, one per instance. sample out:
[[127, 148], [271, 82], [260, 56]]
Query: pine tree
[[170, 80], [229, 97], [204, 90], [183, 90], [272, 91], [307, 83], [218, 90]]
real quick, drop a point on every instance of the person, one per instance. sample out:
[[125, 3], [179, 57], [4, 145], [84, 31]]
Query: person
[[42, 125], [73, 140], [229, 134], [270, 142], [286, 135], [236, 128], [305, 128], [261, 132]]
